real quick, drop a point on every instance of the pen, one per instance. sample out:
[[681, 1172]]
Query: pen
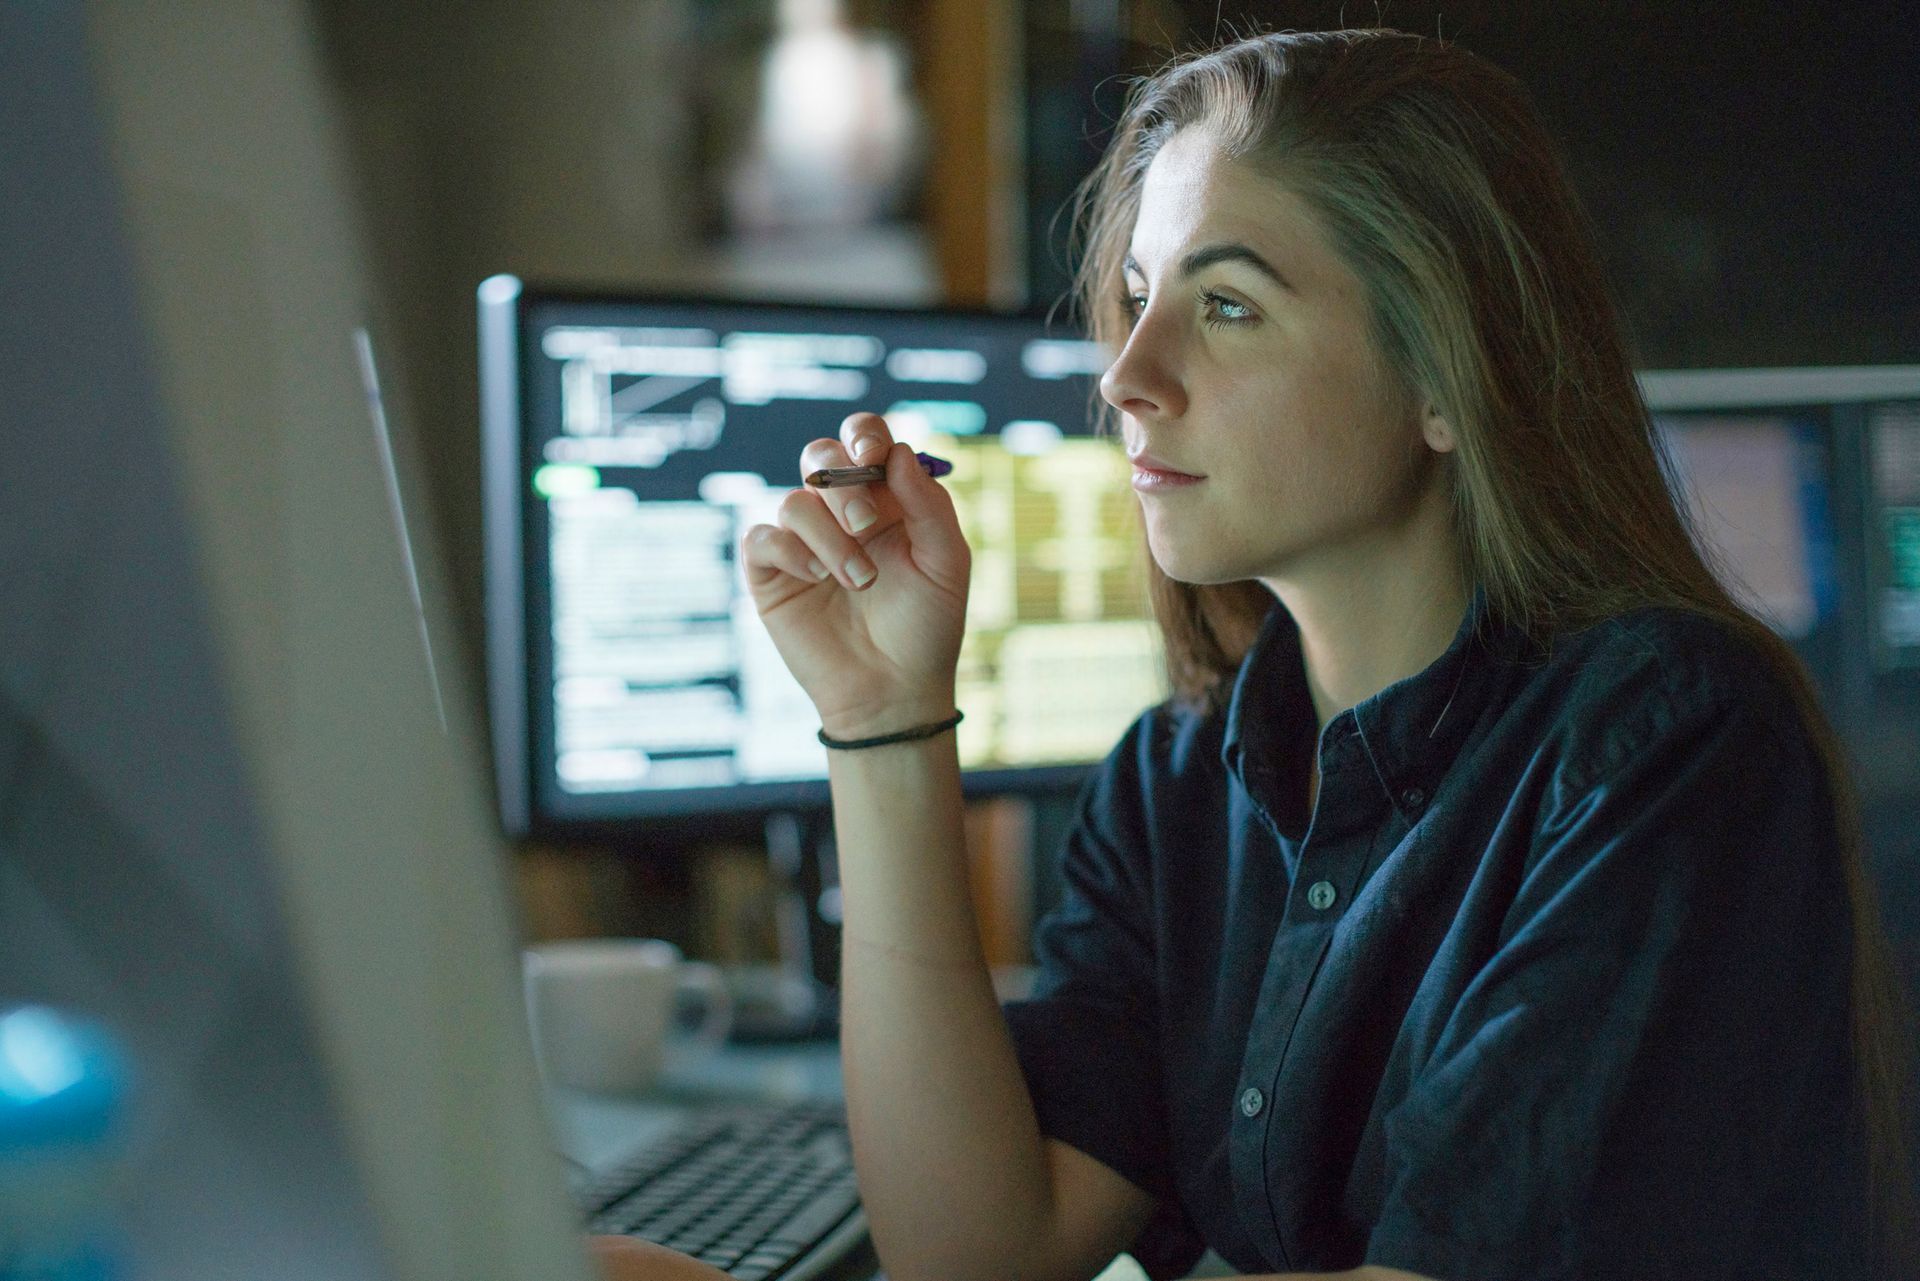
[[834, 477]]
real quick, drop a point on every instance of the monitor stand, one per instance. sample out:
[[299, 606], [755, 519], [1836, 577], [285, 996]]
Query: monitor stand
[[797, 999]]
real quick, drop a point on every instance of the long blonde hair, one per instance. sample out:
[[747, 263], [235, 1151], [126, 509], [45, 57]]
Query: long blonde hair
[[1442, 190]]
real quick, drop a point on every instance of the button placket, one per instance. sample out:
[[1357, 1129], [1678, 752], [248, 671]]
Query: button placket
[[1292, 963], [1327, 852], [1335, 820]]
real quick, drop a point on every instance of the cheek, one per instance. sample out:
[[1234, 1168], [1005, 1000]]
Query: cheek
[[1303, 438], [1330, 445]]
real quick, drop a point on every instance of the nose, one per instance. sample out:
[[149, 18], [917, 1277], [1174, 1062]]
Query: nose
[[1142, 381]]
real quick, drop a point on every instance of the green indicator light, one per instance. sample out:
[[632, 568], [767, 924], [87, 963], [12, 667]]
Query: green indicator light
[[558, 480], [952, 417]]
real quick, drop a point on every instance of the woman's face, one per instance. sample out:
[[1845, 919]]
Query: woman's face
[[1302, 462]]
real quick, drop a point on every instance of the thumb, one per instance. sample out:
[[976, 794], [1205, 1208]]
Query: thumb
[[926, 508]]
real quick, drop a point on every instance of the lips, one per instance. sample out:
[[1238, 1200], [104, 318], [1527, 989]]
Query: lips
[[1155, 465], [1155, 475]]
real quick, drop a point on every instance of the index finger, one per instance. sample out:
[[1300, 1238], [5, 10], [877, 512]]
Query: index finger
[[867, 438], [858, 508]]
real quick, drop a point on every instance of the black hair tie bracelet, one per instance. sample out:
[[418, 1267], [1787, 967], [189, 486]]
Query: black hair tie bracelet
[[904, 736]]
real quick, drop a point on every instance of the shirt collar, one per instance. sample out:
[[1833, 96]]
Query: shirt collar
[[1408, 732]]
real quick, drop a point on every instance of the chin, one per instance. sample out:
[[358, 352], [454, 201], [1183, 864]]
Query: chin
[[1216, 561], [1195, 568]]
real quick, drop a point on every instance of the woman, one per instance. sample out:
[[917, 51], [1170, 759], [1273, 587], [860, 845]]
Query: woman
[[1488, 901]]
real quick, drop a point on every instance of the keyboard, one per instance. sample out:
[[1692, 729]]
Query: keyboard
[[763, 1192]]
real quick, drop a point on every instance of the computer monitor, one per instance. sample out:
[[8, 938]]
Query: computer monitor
[[1804, 484], [1757, 486], [629, 442], [236, 831]]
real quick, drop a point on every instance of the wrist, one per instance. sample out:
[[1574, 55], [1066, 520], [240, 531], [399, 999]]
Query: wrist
[[889, 718], [915, 734]]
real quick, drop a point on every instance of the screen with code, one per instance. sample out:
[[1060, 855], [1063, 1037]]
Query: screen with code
[[647, 436]]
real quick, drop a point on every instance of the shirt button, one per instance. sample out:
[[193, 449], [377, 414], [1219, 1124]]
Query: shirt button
[[1413, 798], [1320, 895], [1251, 1101]]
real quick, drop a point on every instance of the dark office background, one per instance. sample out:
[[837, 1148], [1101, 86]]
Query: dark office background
[[1752, 171]]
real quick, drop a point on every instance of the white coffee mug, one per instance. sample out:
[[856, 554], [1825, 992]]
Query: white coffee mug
[[602, 1010]]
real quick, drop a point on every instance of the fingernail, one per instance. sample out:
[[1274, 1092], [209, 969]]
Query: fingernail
[[859, 570], [818, 570], [865, 445], [860, 514]]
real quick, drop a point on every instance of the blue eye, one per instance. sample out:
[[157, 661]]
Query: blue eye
[[1237, 313], [1216, 320]]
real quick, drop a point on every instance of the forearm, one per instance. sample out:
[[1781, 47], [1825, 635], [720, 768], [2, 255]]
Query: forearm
[[951, 1163]]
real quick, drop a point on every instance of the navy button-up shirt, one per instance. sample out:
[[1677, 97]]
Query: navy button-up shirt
[[1551, 982]]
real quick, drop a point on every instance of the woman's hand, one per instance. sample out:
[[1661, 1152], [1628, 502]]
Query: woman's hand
[[873, 634], [631, 1259]]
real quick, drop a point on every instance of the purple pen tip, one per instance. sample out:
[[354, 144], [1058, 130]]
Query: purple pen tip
[[933, 466]]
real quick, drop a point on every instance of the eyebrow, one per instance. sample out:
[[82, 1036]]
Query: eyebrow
[[1207, 255]]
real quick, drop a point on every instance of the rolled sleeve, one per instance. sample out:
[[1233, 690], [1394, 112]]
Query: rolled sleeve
[[1611, 1095], [1088, 1039]]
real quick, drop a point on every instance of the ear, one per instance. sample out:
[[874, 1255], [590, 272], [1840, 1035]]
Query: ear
[[1437, 431]]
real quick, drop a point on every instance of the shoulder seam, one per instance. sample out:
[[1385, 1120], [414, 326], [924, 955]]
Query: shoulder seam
[[1647, 727]]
